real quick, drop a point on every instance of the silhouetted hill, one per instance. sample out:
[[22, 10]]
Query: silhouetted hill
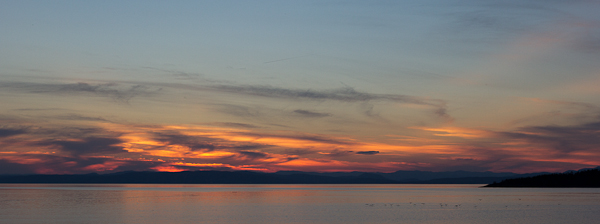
[[188, 177], [462, 180], [284, 177], [428, 177], [198, 177], [582, 178]]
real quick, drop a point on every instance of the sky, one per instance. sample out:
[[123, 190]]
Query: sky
[[323, 86]]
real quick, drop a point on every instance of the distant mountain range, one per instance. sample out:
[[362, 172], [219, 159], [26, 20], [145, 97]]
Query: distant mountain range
[[282, 177], [581, 178]]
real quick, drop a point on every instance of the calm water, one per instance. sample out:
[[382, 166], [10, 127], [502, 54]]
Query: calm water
[[133, 203]]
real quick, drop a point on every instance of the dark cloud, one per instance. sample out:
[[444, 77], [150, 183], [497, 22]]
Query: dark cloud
[[9, 167], [134, 166], [90, 145], [64, 164], [248, 147], [115, 91], [367, 152], [57, 113], [254, 155], [80, 132], [564, 139], [306, 113], [197, 143], [212, 168], [200, 146], [6, 132]]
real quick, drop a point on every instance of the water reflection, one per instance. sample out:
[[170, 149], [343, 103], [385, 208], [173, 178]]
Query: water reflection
[[108, 203]]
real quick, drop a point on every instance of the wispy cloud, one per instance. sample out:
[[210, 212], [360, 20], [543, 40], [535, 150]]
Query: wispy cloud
[[177, 74], [239, 110], [580, 105], [78, 117], [505, 17], [346, 94], [307, 113], [121, 93]]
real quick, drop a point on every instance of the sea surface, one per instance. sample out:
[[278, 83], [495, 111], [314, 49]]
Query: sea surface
[[172, 203]]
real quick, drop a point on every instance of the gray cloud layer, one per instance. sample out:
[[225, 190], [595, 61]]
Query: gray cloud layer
[[346, 94], [6, 132], [195, 143], [563, 139], [90, 145]]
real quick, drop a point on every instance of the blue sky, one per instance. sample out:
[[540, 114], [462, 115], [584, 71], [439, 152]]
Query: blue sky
[[303, 85]]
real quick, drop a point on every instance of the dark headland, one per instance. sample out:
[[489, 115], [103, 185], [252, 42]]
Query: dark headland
[[282, 177], [585, 178]]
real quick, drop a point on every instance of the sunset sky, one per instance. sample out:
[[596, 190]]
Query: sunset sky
[[377, 86]]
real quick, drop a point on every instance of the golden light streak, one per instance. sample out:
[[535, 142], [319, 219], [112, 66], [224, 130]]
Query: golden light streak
[[198, 164], [214, 154], [457, 132]]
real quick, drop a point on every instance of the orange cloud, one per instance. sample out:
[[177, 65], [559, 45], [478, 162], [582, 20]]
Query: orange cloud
[[192, 147], [106, 166], [168, 169], [456, 132]]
